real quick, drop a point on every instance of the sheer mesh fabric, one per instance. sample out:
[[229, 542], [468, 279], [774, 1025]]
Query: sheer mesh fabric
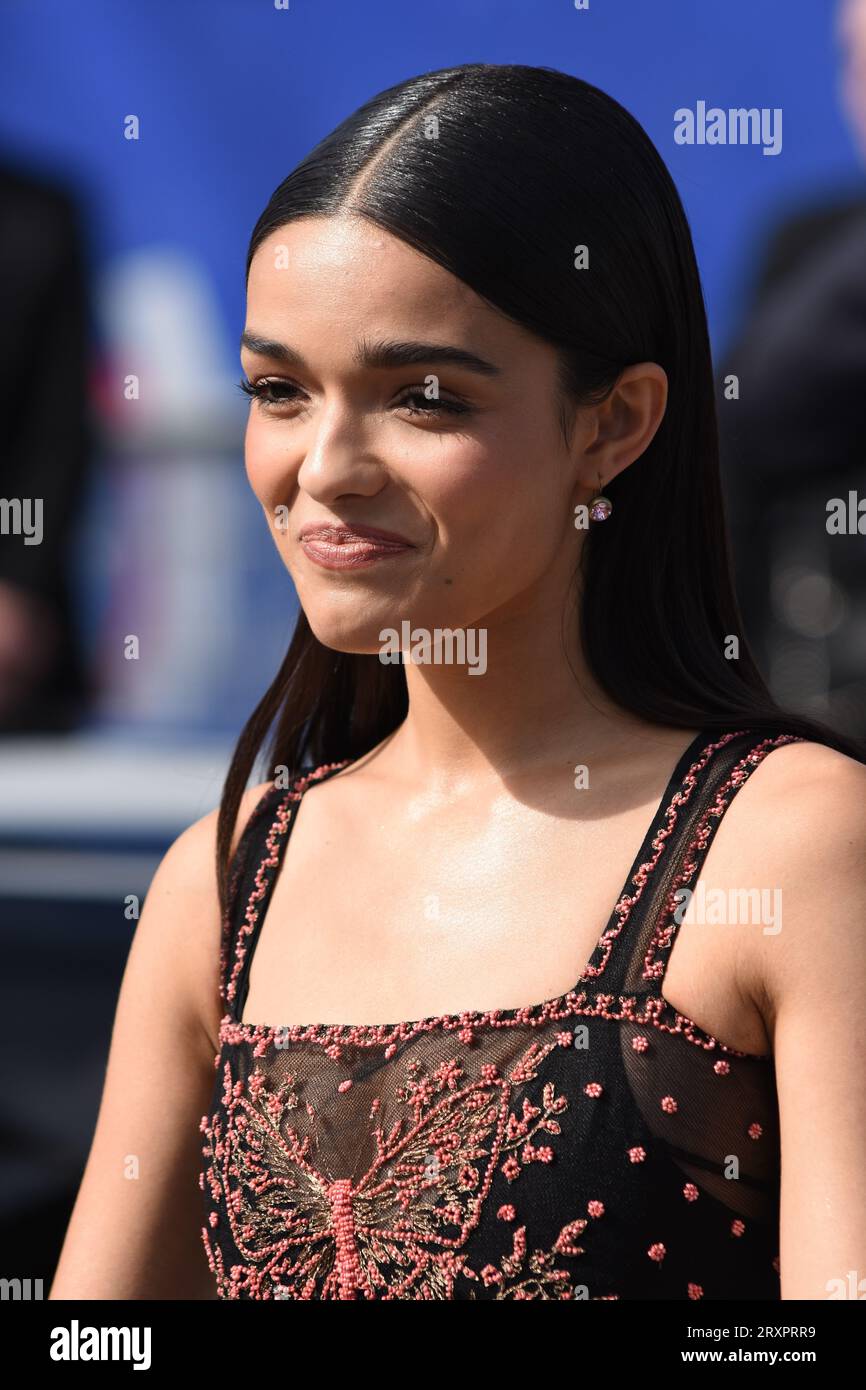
[[598, 1145]]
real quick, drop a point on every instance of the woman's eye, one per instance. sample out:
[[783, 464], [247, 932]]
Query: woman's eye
[[418, 403], [269, 393]]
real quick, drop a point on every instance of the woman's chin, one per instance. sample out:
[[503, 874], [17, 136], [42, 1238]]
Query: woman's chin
[[340, 637]]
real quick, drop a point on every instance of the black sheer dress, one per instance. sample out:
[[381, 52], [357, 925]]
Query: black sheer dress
[[599, 1145]]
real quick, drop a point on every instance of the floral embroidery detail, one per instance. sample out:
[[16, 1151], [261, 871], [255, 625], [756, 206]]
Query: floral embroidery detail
[[511, 1169], [524, 1276], [532, 1155], [392, 1161], [534, 1119], [400, 1230], [566, 1241]]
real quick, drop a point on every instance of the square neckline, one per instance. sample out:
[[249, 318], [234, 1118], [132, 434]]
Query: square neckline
[[468, 1018]]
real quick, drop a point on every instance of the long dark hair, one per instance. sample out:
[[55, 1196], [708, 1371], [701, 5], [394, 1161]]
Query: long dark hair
[[498, 173]]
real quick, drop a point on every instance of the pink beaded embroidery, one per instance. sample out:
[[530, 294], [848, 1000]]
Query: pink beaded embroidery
[[421, 1159]]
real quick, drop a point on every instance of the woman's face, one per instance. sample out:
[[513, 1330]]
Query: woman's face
[[479, 482]]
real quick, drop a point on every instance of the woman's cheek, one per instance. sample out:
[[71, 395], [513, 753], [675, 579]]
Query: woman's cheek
[[252, 456], [265, 462]]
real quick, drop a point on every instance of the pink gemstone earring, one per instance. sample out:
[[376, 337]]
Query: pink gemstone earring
[[600, 507]]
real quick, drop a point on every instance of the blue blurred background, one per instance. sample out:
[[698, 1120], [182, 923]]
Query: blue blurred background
[[230, 94]]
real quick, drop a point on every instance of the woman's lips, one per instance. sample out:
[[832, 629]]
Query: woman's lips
[[339, 549]]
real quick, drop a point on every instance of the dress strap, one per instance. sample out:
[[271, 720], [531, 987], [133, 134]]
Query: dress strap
[[245, 860], [651, 910], [253, 873]]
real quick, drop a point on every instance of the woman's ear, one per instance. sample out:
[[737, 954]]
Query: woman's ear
[[625, 422]]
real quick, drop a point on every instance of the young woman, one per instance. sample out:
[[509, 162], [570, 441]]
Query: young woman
[[473, 311]]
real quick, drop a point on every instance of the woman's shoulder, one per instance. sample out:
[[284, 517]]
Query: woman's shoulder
[[803, 805], [798, 829], [809, 776]]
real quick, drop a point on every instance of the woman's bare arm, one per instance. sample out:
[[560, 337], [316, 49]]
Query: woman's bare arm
[[135, 1229], [809, 839]]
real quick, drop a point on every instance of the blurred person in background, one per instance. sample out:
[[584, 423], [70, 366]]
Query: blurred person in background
[[795, 439], [43, 451]]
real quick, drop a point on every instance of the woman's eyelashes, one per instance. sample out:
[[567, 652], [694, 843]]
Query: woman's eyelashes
[[271, 393]]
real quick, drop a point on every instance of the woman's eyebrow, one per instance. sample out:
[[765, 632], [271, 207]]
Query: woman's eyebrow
[[386, 353]]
